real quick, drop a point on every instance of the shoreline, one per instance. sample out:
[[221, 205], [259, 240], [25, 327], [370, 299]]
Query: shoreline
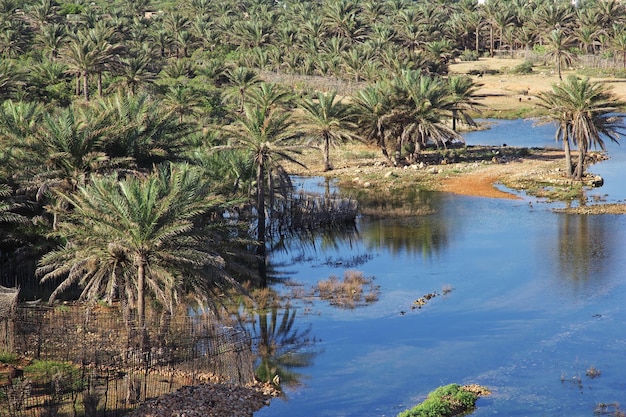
[[531, 171]]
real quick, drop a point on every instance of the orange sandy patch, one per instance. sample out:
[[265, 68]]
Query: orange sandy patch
[[476, 184]]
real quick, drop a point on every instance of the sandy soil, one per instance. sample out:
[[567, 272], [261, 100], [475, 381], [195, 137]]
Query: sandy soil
[[507, 92]]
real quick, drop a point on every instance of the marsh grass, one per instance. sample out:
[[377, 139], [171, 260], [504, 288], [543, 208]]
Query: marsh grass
[[355, 289]]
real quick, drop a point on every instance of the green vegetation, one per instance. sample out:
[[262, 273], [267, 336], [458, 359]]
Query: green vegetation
[[445, 401], [98, 97], [8, 357], [59, 376]]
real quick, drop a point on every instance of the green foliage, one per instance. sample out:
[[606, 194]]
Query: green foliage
[[62, 376], [525, 67], [448, 400], [71, 8], [540, 49], [8, 357], [469, 55]]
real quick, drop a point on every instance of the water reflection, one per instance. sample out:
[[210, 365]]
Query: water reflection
[[427, 235], [282, 347], [584, 250]]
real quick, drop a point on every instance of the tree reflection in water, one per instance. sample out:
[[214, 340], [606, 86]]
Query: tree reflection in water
[[584, 246], [281, 347]]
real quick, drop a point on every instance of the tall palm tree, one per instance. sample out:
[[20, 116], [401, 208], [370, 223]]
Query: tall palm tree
[[82, 58], [559, 42], [136, 237], [328, 119], [268, 137], [589, 114], [559, 113]]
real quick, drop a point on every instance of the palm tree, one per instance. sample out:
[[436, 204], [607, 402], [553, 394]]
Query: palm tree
[[587, 112], [51, 39], [241, 79], [268, 96], [327, 119], [82, 59], [135, 237], [63, 151], [143, 132], [555, 103], [559, 43], [462, 92], [423, 102], [268, 137], [619, 41], [182, 100], [11, 77], [134, 73], [371, 107]]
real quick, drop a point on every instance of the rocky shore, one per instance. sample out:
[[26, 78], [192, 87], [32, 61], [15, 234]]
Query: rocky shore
[[208, 400]]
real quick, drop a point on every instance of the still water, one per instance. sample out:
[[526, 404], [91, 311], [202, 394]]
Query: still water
[[537, 300]]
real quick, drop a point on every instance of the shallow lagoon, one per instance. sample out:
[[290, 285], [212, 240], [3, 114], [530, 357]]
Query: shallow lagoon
[[537, 300]]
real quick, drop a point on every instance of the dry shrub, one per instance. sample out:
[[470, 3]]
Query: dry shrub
[[354, 290]]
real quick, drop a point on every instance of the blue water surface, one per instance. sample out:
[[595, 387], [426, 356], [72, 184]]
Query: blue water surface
[[537, 300]]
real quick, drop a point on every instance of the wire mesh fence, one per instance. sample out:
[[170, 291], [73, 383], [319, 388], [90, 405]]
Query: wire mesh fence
[[92, 362]]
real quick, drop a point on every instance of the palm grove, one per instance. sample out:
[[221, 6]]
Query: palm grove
[[143, 146]]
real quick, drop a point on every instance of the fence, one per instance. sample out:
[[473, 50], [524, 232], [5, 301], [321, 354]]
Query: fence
[[90, 362]]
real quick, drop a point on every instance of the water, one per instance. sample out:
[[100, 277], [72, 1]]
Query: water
[[536, 301]]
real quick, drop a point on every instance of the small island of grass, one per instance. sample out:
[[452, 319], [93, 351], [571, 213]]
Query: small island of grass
[[446, 401]]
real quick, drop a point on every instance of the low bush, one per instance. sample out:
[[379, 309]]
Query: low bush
[[525, 67], [469, 55]]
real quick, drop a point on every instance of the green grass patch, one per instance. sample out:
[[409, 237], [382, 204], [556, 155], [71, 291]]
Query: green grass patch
[[8, 357], [446, 401], [66, 376]]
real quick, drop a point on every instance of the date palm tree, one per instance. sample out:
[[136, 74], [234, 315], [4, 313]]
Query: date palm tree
[[241, 78], [136, 238], [372, 106], [328, 119], [268, 137], [587, 112], [559, 42], [462, 93]]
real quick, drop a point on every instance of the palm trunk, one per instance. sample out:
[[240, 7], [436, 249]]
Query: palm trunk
[[141, 297], [581, 162], [99, 84], [85, 85], [477, 39], [568, 155], [326, 151], [260, 208], [381, 141]]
